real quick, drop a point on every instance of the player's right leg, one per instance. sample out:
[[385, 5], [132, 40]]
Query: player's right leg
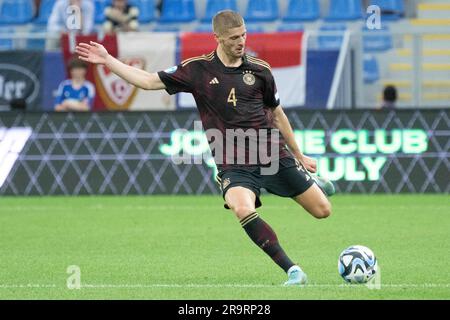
[[242, 202]]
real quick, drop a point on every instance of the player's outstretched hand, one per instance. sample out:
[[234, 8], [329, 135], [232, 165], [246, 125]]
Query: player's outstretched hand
[[309, 163], [92, 52]]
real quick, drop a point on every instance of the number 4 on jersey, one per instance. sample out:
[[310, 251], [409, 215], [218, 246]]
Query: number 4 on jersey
[[232, 97]]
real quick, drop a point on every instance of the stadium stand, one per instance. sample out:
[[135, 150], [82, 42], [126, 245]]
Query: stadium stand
[[423, 80], [146, 10], [166, 28], [262, 11], [45, 9], [287, 27], [391, 9], [254, 28], [331, 41], [100, 6], [214, 6], [388, 56], [15, 12], [345, 10], [39, 43], [371, 69], [6, 43], [302, 10], [177, 11], [377, 40]]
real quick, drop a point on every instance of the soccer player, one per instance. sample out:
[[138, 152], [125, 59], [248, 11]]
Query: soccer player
[[234, 90]]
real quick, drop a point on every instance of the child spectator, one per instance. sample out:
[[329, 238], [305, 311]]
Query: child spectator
[[76, 93]]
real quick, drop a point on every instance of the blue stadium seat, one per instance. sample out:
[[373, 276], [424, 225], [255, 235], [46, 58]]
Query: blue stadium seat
[[37, 44], [250, 27], [45, 9], [342, 10], [377, 40], [390, 9], [6, 43], [204, 27], [261, 11], [146, 10], [371, 69], [177, 11], [286, 27], [302, 10], [254, 27], [214, 6], [13, 12], [331, 41], [166, 28], [100, 6]]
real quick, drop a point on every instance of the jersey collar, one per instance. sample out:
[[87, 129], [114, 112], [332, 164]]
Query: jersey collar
[[226, 69]]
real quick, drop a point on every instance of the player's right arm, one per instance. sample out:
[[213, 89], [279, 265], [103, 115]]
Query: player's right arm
[[97, 54]]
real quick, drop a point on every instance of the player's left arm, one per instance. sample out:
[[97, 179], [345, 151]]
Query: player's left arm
[[281, 122]]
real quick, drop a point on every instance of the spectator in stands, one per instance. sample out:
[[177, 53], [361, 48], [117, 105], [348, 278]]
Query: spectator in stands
[[389, 97], [76, 93], [37, 6], [62, 19], [121, 16], [366, 4], [159, 6]]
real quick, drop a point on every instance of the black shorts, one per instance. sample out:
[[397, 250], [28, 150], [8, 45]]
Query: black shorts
[[291, 180]]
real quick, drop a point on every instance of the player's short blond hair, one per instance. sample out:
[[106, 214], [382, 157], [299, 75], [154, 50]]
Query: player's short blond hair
[[225, 20]]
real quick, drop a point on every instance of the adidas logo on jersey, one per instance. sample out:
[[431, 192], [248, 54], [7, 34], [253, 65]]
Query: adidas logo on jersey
[[214, 81]]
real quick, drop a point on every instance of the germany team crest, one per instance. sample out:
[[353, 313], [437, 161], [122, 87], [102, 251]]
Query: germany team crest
[[249, 78]]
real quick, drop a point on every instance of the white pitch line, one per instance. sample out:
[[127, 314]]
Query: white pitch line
[[193, 285], [29, 285]]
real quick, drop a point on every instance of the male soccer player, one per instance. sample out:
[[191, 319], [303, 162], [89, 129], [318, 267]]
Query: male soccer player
[[234, 90]]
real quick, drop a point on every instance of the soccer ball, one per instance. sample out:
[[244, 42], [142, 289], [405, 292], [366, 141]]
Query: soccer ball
[[357, 264]]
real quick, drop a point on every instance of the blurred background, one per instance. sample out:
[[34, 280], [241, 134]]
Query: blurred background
[[365, 85]]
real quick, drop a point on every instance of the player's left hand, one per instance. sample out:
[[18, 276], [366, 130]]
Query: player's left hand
[[309, 163]]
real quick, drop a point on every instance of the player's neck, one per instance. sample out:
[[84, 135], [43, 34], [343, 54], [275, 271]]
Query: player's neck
[[227, 60]]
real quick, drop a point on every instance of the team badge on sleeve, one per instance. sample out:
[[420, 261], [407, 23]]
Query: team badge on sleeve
[[171, 69], [225, 183]]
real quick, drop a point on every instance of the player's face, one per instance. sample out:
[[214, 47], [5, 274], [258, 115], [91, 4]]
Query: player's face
[[233, 41]]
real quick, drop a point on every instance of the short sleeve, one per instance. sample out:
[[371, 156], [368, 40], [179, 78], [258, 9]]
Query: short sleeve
[[59, 95], [177, 79], [271, 96]]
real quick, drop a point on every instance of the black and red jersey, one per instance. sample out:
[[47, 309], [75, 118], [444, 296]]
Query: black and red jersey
[[228, 97]]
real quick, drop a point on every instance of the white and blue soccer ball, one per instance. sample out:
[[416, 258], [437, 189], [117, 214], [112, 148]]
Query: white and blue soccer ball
[[357, 264]]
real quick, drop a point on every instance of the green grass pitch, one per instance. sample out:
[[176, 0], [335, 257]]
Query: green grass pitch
[[181, 247]]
